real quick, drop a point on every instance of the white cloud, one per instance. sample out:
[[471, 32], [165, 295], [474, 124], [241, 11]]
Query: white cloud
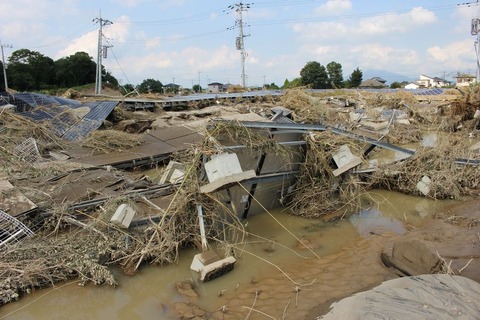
[[453, 52], [466, 12], [371, 26], [393, 22], [333, 7], [127, 3], [86, 43], [322, 30], [89, 41], [171, 4]]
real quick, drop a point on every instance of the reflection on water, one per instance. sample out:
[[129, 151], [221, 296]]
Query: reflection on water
[[149, 294], [371, 221]]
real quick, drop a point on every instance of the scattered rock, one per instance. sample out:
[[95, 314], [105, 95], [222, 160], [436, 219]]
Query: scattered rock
[[185, 288], [412, 258], [189, 311]]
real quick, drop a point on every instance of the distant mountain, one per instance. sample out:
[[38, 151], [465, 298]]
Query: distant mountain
[[390, 77]]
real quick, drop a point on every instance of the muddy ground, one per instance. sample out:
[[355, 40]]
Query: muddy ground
[[453, 233]]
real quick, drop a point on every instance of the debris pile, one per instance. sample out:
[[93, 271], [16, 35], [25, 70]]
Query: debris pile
[[318, 191], [89, 216], [432, 172]]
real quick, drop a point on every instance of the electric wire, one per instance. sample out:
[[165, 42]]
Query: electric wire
[[119, 65], [68, 38]]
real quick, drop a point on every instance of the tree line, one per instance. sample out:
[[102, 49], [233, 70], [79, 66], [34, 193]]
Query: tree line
[[29, 70], [316, 76]]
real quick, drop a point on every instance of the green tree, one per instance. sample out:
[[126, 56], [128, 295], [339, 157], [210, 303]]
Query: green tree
[[272, 86], [150, 86], [30, 70], [107, 77], [126, 89], [314, 75], [355, 78], [75, 70], [396, 85], [335, 74], [197, 88], [297, 82]]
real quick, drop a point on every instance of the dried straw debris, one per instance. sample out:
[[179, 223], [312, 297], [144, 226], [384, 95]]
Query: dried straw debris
[[111, 140], [317, 191]]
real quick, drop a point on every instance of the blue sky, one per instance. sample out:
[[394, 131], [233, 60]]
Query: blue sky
[[191, 41]]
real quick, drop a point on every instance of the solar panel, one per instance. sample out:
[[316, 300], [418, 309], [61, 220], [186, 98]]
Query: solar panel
[[38, 115], [67, 102], [82, 129], [99, 111]]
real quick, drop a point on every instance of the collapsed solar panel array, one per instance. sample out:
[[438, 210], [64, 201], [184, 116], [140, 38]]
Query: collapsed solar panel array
[[77, 125], [26, 101], [60, 112]]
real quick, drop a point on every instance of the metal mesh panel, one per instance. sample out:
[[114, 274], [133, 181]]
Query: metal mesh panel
[[28, 151], [11, 229]]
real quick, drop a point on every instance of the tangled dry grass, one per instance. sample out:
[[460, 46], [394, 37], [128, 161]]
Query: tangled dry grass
[[448, 179], [318, 191], [111, 140]]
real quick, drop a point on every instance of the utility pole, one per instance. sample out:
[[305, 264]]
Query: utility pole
[[475, 31], [4, 65], [199, 86], [239, 8], [101, 52]]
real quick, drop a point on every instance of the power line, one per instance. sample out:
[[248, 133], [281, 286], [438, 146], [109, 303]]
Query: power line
[[174, 39], [344, 17], [70, 37], [174, 21]]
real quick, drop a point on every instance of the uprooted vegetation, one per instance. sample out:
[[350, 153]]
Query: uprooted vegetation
[[83, 244], [317, 191], [435, 165]]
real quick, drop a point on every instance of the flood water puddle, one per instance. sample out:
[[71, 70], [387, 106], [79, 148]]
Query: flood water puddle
[[149, 294]]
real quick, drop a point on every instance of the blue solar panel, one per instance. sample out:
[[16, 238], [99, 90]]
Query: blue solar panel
[[82, 129], [67, 125], [27, 101], [38, 115], [67, 102], [99, 111]]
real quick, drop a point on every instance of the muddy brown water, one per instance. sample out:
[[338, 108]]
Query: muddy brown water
[[279, 278]]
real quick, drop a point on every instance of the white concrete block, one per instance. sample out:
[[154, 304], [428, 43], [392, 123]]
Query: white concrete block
[[123, 216], [345, 160], [424, 185], [222, 165], [174, 173]]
